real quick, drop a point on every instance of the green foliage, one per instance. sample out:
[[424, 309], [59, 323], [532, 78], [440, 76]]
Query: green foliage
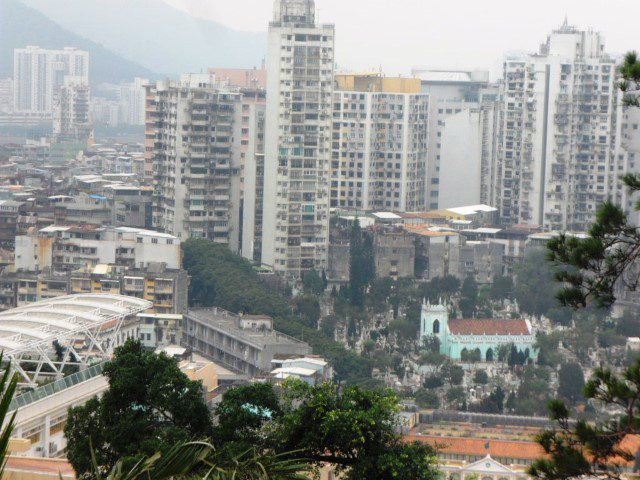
[[221, 278], [242, 413], [494, 403], [351, 428], [191, 460], [594, 450], [481, 377], [149, 406], [502, 288], [456, 396], [533, 392], [433, 381], [427, 398], [571, 382], [454, 374], [308, 309], [547, 345], [468, 297], [630, 84], [440, 288], [362, 270], [312, 283], [535, 289], [472, 356]]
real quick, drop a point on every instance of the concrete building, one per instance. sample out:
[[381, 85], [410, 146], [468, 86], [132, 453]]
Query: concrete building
[[64, 248], [466, 99], [394, 253], [247, 344], [557, 143], [6, 95], [249, 78], [627, 159], [191, 130], [131, 102], [38, 73], [253, 183], [298, 139], [379, 143], [71, 111]]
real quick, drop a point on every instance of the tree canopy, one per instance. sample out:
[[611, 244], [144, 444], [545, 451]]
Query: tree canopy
[[150, 406]]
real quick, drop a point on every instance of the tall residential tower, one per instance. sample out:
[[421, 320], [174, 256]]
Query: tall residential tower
[[298, 139], [554, 162]]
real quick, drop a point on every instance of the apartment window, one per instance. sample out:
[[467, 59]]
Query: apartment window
[[154, 240]]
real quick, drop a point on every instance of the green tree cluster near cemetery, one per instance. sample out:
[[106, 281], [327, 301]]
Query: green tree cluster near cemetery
[[362, 267], [221, 278], [152, 423]]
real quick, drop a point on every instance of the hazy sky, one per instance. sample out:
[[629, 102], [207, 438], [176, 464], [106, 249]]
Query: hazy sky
[[399, 34]]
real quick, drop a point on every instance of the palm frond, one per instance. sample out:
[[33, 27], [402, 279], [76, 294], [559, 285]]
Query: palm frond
[[8, 385]]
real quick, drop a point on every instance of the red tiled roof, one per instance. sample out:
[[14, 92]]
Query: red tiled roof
[[43, 466], [488, 327], [519, 450]]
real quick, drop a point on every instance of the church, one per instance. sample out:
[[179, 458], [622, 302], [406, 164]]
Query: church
[[457, 336]]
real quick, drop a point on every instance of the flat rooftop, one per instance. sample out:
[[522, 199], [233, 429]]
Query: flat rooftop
[[227, 322]]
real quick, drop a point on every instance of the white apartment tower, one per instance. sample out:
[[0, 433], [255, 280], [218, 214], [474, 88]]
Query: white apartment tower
[[554, 162], [379, 144], [38, 73], [131, 101], [460, 112], [298, 139], [191, 132], [71, 111]]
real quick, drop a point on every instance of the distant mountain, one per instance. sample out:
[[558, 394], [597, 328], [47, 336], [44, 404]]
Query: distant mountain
[[157, 35], [21, 26]]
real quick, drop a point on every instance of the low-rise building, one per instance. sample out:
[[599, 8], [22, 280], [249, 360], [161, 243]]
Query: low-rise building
[[244, 343], [64, 248]]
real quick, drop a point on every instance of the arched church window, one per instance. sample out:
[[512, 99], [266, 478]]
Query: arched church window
[[436, 326]]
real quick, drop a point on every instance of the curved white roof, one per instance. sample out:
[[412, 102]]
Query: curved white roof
[[40, 323]]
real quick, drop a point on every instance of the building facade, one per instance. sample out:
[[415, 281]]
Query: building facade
[[557, 142], [71, 111], [192, 126], [298, 139], [38, 73], [379, 143], [459, 337]]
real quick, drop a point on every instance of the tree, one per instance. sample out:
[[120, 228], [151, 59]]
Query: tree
[[351, 428], [481, 377], [312, 283], [533, 391], [501, 288], [242, 413], [535, 289], [594, 450], [494, 403], [361, 264], [192, 460], [440, 288], [456, 396], [433, 381], [468, 297], [454, 374], [308, 308], [427, 398], [149, 406], [570, 382]]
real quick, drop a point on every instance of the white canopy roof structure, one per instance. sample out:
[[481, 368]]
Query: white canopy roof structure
[[27, 333]]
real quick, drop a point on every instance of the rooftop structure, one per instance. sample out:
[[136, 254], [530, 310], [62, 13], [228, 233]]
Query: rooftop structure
[[81, 324], [245, 343]]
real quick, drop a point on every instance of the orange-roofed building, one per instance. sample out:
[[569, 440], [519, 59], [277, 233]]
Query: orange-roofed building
[[481, 337]]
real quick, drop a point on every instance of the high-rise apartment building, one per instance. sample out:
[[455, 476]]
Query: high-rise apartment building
[[131, 101], [71, 111], [6, 95], [627, 159], [379, 143], [38, 73], [193, 126], [554, 162], [456, 93], [298, 139]]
